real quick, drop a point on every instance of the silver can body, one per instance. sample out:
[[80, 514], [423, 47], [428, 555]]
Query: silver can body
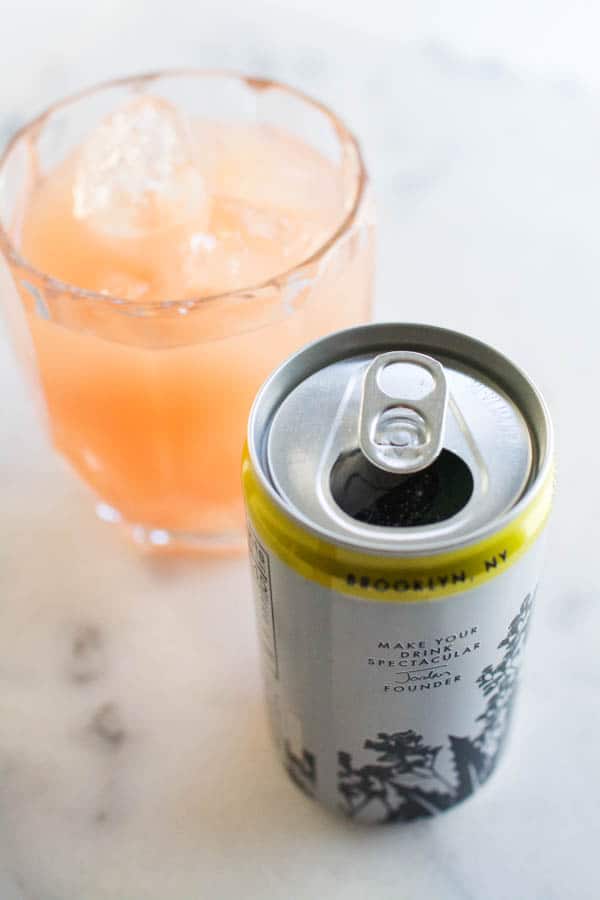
[[390, 677]]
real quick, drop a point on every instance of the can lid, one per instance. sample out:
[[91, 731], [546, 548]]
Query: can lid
[[413, 445]]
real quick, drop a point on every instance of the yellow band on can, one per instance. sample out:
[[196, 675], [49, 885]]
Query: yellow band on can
[[387, 578]]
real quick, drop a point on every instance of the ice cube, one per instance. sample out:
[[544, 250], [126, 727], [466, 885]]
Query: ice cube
[[139, 172], [245, 246], [267, 168]]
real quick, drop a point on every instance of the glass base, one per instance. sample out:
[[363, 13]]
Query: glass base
[[151, 539]]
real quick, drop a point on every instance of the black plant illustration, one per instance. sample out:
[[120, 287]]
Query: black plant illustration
[[498, 685], [301, 769], [404, 781], [406, 763]]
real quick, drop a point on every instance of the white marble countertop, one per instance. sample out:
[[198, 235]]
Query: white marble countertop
[[134, 758]]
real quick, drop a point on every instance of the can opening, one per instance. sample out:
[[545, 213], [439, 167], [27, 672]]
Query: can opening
[[376, 497]]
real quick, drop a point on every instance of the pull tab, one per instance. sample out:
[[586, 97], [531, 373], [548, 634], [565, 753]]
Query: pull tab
[[401, 428]]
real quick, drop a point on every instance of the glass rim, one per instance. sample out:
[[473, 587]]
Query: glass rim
[[56, 285]]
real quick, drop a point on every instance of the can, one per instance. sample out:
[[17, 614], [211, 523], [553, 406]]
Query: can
[[397, 481]]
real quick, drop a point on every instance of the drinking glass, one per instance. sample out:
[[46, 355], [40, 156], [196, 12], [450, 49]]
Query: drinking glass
[[147, 399]]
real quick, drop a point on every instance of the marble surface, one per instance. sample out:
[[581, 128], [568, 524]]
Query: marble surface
[[134, 758]]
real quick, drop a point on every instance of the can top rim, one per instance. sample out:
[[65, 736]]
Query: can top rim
[[379, 338]]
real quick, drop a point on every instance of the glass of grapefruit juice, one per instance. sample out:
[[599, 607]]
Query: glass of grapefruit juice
[[167, 241]]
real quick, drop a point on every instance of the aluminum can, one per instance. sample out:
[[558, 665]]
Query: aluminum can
[[397, 481]]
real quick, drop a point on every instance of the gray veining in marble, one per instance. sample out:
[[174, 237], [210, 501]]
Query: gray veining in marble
[[134, 758]]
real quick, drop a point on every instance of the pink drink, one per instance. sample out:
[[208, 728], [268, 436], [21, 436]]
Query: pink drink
[[207, 252]]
